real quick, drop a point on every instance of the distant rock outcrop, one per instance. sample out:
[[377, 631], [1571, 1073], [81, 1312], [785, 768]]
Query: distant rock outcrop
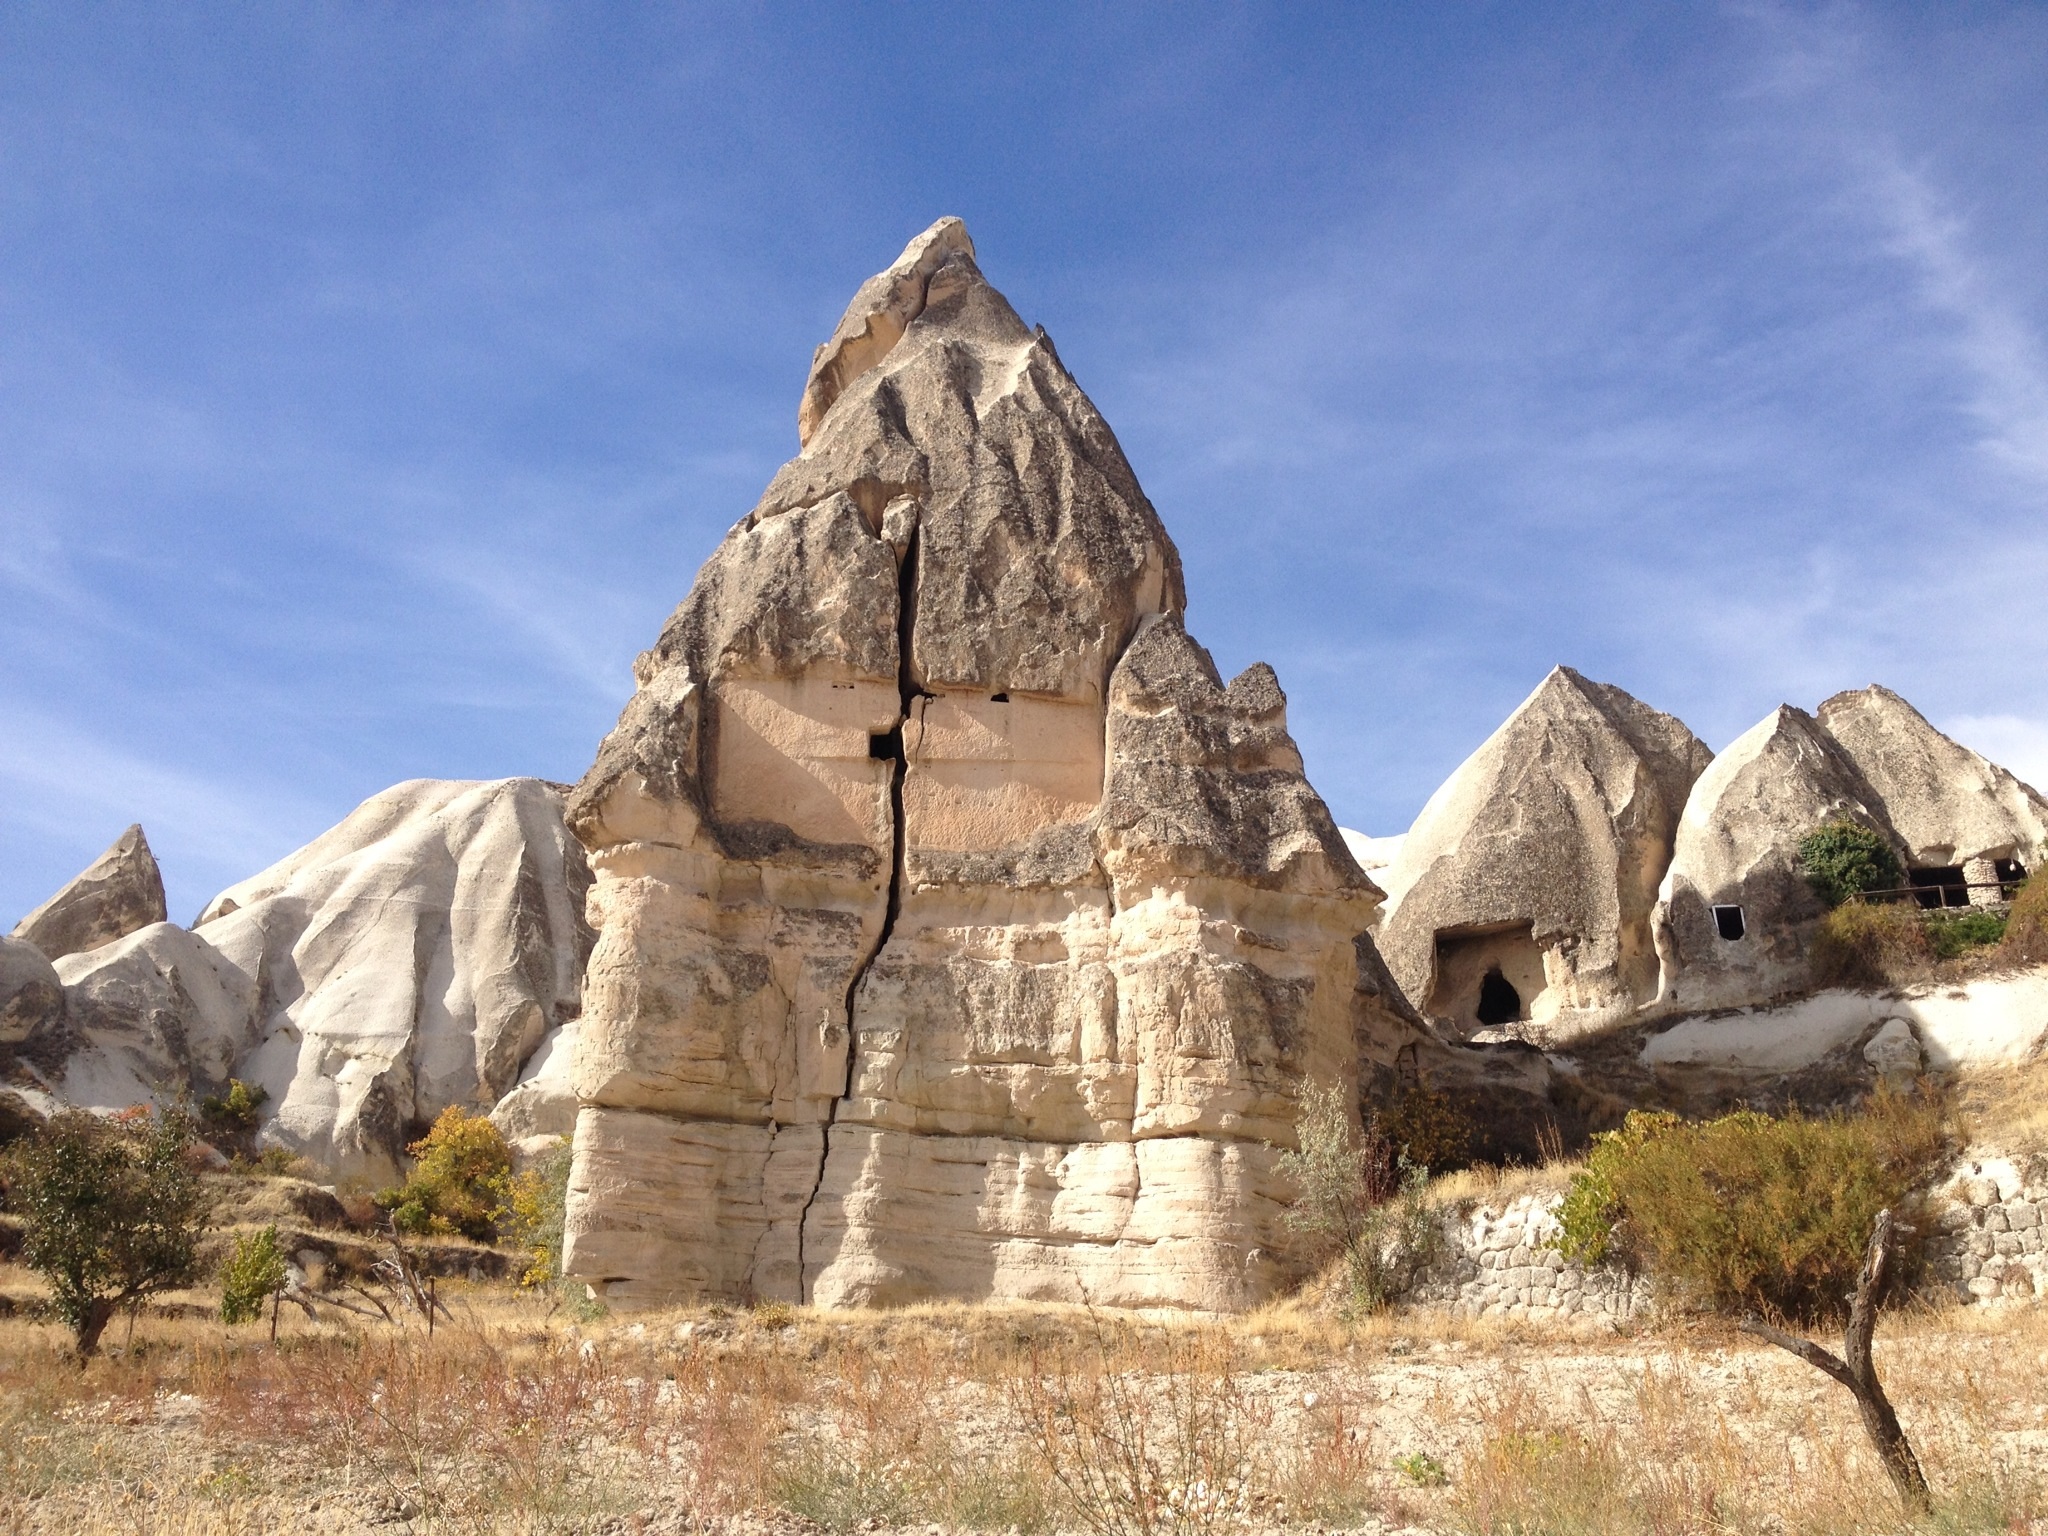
[[1525, 888], [119, 892], [416, 956], [961, 933]]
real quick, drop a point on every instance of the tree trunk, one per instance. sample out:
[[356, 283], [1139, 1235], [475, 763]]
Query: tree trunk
[[1856, 1370], [97, 1316]]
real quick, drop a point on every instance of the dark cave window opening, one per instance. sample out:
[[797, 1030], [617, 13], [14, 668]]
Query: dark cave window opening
[[2011, 875], [999, 698], [1728, 923], [1499, 1002], [886, 746]]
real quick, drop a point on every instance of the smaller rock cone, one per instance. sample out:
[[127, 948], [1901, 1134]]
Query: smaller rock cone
[[119, 892]]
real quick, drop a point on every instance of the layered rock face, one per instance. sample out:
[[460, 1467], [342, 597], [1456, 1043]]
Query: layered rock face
[[416, 956], [120, 891], [1738, 850], [961, 933], [1525, 889]]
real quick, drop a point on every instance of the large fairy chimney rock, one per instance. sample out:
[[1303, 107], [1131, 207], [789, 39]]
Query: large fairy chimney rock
[[1949, 806], [120, 891], [1736, 916], [961, 933], [1526, 886], [31, 996], [415, 956]]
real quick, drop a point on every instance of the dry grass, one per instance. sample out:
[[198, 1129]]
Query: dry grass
[[2005, 1107], [996, 1418], [1489, 1185]]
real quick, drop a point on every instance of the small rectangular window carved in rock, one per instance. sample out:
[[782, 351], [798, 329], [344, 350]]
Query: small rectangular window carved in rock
[[1940, 886], [1728, 923]]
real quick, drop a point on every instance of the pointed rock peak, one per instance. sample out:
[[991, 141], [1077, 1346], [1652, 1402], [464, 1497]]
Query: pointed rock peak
[[877, 318], [120, 891], [1874, 702]]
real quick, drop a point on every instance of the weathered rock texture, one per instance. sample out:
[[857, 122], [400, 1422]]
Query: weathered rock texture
[[411, 958], [1537, 863], [961, 933], [120, 891], [1738, 846], [1869, 757], [1944, 803], [31, 996]]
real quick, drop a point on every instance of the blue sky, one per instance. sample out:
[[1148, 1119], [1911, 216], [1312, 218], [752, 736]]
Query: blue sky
[[373, 379]]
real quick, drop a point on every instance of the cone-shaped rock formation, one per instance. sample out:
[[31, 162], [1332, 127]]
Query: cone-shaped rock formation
[[961, 934], [120, 891], [1527, 884]]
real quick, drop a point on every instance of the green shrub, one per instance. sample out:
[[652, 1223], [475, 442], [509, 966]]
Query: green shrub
[[230, 1121], [1841, 859], [1955, 935], [1865, 944], [460, 1183], [1754, 1213], [250, 1275], [2026, 925], [112, 1211], [1590, 1207]]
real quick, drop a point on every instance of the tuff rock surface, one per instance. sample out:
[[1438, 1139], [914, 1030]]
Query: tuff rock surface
[[961, 933], [120, 891], [1538, 862], [31, 996], [1738, 845], [1945, 804], [415, 956]]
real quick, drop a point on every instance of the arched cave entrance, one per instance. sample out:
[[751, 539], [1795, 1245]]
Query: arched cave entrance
[[1487, 977], [1499, 1002]]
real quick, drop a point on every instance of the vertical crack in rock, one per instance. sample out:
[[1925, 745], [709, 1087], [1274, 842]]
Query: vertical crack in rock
[[892, 747]]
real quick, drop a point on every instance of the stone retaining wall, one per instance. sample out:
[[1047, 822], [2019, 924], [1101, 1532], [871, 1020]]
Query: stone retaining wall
[[1993, 1241], [1990, 1248]]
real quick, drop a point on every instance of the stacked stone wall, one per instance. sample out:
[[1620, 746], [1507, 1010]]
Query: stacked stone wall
[[1989, 1248]]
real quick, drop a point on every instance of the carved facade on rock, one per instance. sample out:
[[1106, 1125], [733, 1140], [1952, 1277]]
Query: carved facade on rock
[[960, 933]]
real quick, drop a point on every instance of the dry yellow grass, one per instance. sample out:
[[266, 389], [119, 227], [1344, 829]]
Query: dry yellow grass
[[993, 1417], [2005, 1107]]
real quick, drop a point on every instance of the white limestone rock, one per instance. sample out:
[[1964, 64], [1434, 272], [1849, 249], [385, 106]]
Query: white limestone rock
[[961, 933], [119, 892], [31, 995], [1738, 847], [413, 957], [1538, 862], [1946, 804]]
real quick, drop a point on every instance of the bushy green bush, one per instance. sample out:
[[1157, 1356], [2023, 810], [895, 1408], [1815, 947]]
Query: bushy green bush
[[1952, 935], [1752, 1212], [461, 1182], [230, 1121], [252, 1273], [112, 1210], [1867, 944], [1841, 859], [1428, 1129]]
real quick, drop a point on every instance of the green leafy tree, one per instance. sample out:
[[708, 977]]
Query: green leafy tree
[[112, 1211], [1842, 859], [253, 1273], [461, 1183]]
